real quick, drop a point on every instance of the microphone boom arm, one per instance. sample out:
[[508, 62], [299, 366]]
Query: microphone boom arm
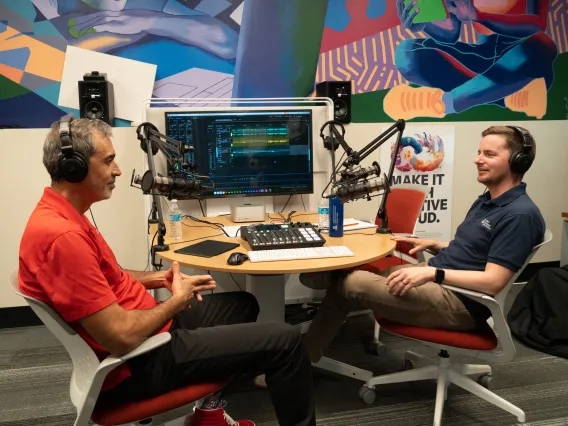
[[355, 157], [358, 156], [382, 212], [152, 141], [161, 246]]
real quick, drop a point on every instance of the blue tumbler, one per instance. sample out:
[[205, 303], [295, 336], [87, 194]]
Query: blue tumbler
[[335, 217]]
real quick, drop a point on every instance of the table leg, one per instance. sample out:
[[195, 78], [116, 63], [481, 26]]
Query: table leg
[[270, 293], [564, 244]]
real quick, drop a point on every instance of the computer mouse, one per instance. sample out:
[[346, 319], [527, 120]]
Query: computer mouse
[[237, 258]]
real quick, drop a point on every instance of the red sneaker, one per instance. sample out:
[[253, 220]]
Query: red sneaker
[[216, 417]]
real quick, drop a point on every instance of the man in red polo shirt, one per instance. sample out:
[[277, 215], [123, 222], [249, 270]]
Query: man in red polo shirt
[[66, 263]]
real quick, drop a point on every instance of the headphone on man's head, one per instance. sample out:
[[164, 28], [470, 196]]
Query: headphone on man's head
[[73, 166], [520, 161]]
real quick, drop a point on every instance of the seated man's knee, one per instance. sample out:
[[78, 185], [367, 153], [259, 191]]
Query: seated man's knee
[[246, 303], [251, 304], [405, 56], [285, 334], [362, 283], [541, 46]]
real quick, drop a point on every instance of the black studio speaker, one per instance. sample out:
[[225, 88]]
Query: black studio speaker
[[340, 93], [96, 98]]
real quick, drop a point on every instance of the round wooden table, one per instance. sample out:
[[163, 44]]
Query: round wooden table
[[266, 280]]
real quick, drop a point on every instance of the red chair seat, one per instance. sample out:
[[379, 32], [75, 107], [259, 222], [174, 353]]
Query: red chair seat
[[479, 340], [106, 413], [382, 264]]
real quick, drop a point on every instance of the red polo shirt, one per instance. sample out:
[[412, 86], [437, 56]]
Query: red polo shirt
[[66, 263]]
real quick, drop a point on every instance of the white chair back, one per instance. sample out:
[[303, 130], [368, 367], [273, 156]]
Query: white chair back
[[500, 298], [85, 362]]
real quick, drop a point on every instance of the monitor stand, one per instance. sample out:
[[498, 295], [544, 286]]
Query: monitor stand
[[222, 206]]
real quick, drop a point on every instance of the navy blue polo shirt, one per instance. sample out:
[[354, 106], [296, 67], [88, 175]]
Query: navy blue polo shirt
[[503, 230]]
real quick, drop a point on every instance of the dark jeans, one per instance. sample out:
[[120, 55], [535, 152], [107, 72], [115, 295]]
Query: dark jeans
[[218, 338]]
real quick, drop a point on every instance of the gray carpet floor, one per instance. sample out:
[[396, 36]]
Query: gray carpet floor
[[35, 371]]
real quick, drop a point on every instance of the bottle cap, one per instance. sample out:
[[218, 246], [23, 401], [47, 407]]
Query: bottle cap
[[174, 200]]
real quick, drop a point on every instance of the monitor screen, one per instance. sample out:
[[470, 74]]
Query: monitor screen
[[248, 153]]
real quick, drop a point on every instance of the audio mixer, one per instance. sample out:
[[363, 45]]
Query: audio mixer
[[282, 236]]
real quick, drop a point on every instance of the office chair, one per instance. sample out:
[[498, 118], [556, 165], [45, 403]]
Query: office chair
[[493, 344], [403, 206], [89, 374]]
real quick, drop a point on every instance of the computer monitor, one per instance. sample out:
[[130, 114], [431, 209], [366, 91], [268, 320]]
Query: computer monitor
[[249, 153]]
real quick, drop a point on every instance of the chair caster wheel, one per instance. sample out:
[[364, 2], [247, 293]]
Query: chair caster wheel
[[407, 365], [486, 381], [367, 394], [377, 348]]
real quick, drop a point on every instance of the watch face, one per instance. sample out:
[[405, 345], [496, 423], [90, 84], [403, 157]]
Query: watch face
[[440, 275]]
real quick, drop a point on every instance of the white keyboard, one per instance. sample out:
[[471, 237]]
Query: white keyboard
[[299, 253]]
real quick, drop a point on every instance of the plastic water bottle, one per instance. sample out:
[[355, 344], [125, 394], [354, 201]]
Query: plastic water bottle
[[323, 214], [175, 221]]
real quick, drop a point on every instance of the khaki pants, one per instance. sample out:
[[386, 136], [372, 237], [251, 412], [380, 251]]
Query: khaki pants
[[429, 305]]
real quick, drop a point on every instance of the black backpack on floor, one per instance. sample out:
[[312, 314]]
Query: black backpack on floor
[[539, 315]]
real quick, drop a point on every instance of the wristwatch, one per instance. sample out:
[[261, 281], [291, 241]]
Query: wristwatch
[[440, 276]]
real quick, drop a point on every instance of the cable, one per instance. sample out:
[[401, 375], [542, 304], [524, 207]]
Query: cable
[[337, 166], [300, 214], [150, 251], [215, 224], [201, 207], [302, 198], [95, 223], [93, 217], [195, 239], [236, 282], [286, 203]]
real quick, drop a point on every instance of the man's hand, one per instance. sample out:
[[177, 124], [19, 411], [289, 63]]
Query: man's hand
[[417, 244], [189, 287], [464, 10], [169, 276], [401, 281], [407, 15]]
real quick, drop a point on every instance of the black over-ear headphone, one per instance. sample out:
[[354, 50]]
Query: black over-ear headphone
[[73, 166], [331, 142], [520, 161]]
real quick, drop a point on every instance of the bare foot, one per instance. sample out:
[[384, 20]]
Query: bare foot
[[531, 99], [408, 102]]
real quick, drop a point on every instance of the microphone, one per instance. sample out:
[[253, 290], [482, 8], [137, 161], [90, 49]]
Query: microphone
[[354, 191], [165, 185], [374, 170]]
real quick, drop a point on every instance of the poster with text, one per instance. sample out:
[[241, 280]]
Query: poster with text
[[425, 158]]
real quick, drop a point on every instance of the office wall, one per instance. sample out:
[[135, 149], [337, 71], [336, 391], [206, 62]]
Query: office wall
[[122, 219]]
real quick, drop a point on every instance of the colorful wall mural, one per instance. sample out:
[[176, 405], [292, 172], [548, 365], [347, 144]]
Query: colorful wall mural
[[422, 60]]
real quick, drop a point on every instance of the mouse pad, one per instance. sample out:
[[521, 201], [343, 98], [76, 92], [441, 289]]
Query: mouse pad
[[207, 248]]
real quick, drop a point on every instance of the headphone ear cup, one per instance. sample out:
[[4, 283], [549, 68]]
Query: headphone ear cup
[[73, 169], [520, 162]]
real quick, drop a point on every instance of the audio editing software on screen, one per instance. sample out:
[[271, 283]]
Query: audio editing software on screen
[[249, 152]]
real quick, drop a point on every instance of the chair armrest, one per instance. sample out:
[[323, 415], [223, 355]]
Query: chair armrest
[[86, 405], [482, 298], [500, 327], [470, 293], [153, 342]]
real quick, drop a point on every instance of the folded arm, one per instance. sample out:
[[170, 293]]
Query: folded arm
[[534, 21], [120, 331], [490, 281], [149, 279]]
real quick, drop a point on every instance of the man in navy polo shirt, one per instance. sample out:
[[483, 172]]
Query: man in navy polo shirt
[[490, 246]]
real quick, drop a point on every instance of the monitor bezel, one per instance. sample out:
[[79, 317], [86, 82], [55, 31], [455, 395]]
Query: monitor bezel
[[263, 194]]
